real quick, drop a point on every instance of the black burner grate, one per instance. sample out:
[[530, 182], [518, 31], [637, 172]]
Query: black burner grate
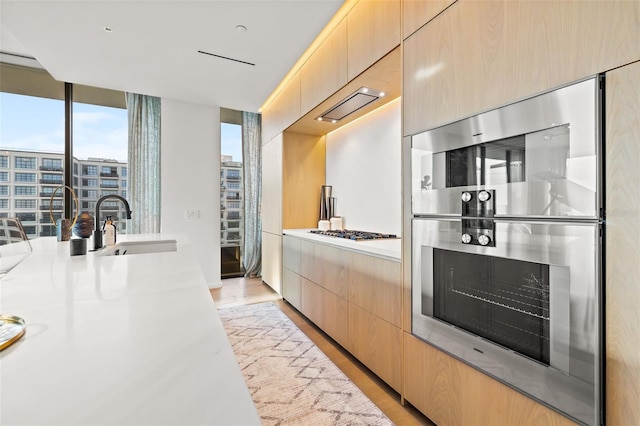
[[354, 235]]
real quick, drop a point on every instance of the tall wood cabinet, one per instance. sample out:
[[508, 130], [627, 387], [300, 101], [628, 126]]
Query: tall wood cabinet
[[293, 169], [623, 249]]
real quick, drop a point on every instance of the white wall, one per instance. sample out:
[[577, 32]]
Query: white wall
[[191, 179], [364, 168]]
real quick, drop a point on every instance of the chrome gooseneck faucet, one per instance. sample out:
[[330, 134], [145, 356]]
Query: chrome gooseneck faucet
[[97, 232]]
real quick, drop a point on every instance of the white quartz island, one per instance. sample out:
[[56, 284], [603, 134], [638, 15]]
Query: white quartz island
[[117, 340]]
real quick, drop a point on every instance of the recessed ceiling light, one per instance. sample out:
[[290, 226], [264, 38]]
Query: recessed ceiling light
[[108, 29], [365, 90], [241, 28]]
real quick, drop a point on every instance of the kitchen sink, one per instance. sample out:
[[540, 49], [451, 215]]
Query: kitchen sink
[[140, 247]]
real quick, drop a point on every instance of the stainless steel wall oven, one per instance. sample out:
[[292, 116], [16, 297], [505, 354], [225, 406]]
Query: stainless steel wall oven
[[507, 259]]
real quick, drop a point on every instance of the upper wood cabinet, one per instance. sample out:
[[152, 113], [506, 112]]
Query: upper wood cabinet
[[283, 110], [478, 55], [289, 102], [326, 70], [373, 30], [416, 13]]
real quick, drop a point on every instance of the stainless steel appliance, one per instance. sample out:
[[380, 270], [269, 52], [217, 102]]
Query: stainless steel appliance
[[507, 245]]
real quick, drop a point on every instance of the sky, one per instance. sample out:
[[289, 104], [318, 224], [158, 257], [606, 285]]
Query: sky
[[37, 124]]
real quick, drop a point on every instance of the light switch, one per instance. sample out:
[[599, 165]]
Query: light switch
[[192, 214]]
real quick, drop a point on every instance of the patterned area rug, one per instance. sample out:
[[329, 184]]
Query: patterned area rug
[[291, 380]]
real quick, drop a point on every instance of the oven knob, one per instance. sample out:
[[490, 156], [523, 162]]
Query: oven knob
[[466, 196], [484, 196], [484, 240], [466, 238]]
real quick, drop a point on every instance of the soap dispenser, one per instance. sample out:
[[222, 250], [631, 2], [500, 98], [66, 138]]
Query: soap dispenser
[[109, 229]]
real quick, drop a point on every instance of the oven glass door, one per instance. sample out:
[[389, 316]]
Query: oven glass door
[[526, 311], [503, 300]]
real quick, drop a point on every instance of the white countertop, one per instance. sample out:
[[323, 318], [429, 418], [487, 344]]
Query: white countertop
[[117, 340], [386, 248]]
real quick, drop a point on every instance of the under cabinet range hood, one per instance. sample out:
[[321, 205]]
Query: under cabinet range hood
[[352, 103]]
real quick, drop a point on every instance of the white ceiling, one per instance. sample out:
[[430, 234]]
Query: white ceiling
[[153, 46]]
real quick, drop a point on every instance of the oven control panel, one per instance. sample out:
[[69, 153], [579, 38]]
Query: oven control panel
[[478, 227]]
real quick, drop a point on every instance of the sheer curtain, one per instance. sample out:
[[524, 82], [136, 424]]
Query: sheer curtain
[[144, 163], [251, 177]]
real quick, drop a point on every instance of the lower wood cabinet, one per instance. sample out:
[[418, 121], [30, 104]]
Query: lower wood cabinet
[[292, 288], [450, 392], [353, 297], [326, 309], [377, 344]]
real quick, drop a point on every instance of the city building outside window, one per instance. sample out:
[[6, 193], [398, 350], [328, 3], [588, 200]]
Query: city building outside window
[[25, 204], [109, 183], [4, 161], [230, 190], [25, 177], [26, 217], [52, 164], [24, 190], [51, 178], [123, 171], [4, 176], [25, 163], [4, 190], [4, 204]]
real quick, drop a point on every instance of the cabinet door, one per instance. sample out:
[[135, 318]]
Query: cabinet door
[[272, 261], [272, 186], [291, 253], [289, 100], [451, 392], [416, 13], [377, 344], [312, 301], [292, 288], [375, 284], [373, 31], [623, 226], [479, 55], [326, 70], [326, 266], [335, 317]]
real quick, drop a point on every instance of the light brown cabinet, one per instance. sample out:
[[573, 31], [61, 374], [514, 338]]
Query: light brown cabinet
[[450, 392], [326, 70], [326, 309], [283, 110], [478, 55], [293, 167], [622, 227], [354, 297], [416, 13], [373, 30], [377, 344]]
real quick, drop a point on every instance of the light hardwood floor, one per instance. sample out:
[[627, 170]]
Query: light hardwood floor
[[241, 291]]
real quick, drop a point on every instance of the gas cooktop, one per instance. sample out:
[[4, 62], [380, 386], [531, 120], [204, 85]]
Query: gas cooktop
[[354, 235]]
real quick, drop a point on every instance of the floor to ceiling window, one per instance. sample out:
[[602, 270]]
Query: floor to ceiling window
[[32, 148], [100, 145], [231, 192]]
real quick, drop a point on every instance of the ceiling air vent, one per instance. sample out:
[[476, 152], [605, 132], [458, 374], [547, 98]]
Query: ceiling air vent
[[352, 103]]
